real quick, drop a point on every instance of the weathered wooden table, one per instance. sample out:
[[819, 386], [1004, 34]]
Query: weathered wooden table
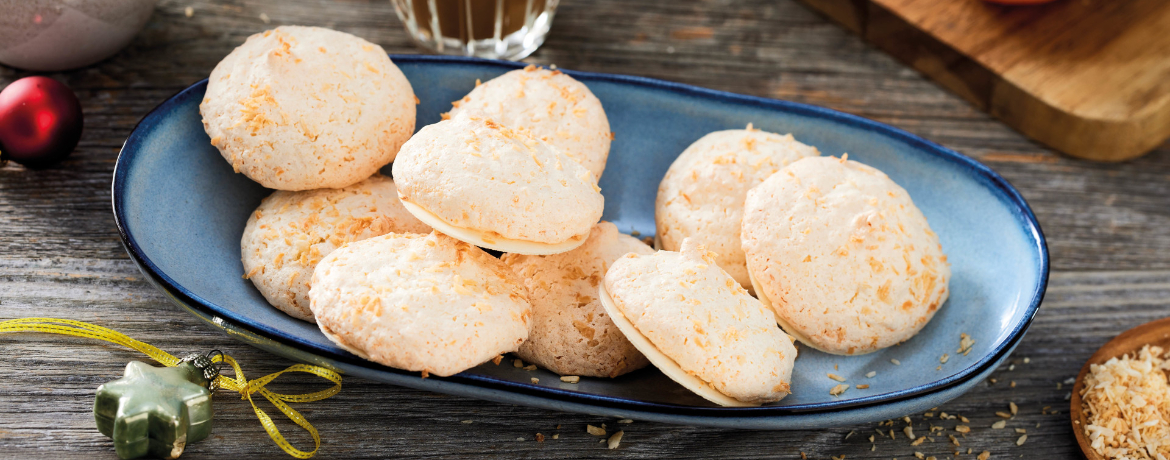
[[1108, 228]]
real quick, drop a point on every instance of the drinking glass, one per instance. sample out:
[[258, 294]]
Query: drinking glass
[[494, 29]]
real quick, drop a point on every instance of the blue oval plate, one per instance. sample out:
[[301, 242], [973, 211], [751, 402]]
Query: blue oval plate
[[181, 210]]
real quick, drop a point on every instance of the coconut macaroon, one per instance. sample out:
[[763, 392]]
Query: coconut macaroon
[[426, 303], [299, 108], [702, 194], [843, 256], [571, 333], [553, 106], [291, 232], [699, 327], [497, 187]]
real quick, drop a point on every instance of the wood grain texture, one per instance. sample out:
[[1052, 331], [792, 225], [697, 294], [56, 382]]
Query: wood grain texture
[[1108, 227], [1089, 78]]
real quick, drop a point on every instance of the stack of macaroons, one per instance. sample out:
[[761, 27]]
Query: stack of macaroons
[[392, 270]]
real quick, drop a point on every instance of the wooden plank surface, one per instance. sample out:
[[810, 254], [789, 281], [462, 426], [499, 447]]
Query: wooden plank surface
[[1090, 78], [1108, 226]]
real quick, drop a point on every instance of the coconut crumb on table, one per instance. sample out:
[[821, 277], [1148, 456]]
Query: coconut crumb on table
[[837, 390], [896, 362], [870, 374], [626, 421], [570, 378], [836, 377], [1003, 414], [1013, 407], [1021, 431], [615, 439], [594, 430], [517, 363], [909, 431], [1022, 440], [535, 380], [863, 386], [984, 455], [963, 429], [943, 359], [999, 425], [188, 11], [530, 367]]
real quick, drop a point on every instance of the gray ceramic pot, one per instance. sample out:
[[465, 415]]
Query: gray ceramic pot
[[50, 35]]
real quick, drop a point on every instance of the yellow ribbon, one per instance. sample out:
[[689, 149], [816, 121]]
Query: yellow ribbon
[[238, 384]]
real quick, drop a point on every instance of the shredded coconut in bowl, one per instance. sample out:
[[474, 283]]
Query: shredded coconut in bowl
[[1127, 403]]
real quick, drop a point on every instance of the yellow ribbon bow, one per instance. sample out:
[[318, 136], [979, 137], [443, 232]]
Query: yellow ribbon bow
[[238, 384]]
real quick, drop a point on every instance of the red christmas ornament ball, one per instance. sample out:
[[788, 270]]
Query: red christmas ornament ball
[[40, 121]]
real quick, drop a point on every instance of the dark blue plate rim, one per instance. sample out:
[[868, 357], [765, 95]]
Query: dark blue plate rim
[[1013, 198]]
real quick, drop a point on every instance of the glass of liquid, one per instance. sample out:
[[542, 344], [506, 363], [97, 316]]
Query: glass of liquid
[[494, 29]]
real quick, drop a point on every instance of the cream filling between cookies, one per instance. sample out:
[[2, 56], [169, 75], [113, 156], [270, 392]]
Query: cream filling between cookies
[[659, 359], [497, 242], [763, 298]]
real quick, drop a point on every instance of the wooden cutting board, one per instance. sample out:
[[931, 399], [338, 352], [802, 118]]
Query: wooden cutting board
[[1090, 78]]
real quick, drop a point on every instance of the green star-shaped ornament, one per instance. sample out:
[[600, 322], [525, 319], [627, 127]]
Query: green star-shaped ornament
[[157, 411]]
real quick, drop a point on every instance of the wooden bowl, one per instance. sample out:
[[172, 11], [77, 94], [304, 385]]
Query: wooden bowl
[[1129, 342]]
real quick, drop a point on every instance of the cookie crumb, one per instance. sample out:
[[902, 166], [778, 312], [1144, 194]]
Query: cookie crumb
[[944, 358], [530, 367], [570, 378], [539, 437], [984, 455], [517, 363], [497, 359], [535, 380], [965, 343]]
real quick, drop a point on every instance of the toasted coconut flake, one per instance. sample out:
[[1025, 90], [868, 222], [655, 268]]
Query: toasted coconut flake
[[984, 455], [1022, 440], [1013, 407], [570, 378], [595, 430], [837, 390], [836, 377], [1125, 402], [963, 429], [615, 439]]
